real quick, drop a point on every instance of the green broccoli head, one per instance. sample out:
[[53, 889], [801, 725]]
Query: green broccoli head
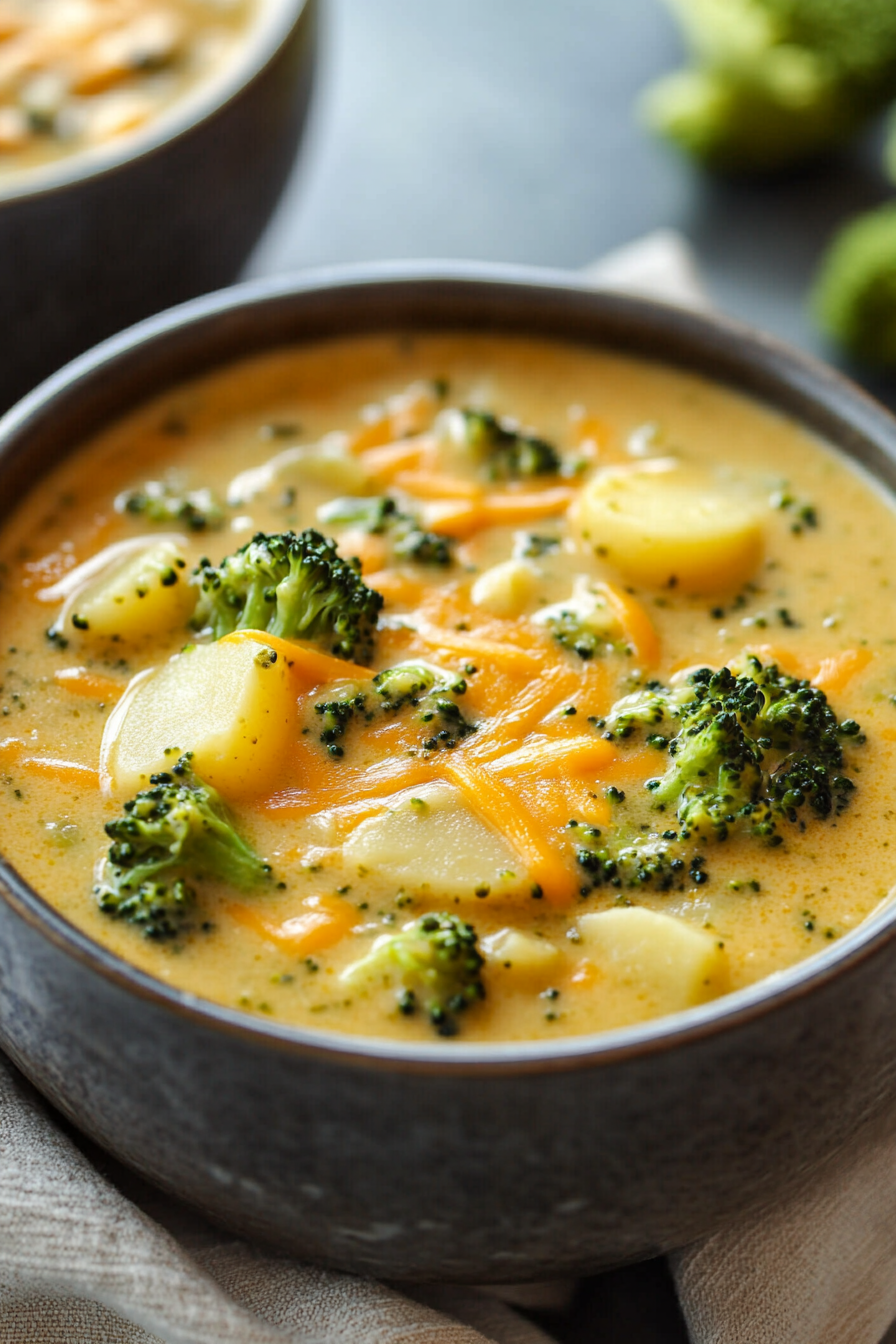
[[430, 690], [775, 81], [296, 587], [162, 502], [753, 748], [506, 451], [635, 860], [381, 516], [854, 297], [434, 964], [170, 835]]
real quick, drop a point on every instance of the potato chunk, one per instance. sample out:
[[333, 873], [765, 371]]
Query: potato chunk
[[668, 963], [148, 594], [670, 529], [431, 840], [232, 703], [505, 589], [522, 957]]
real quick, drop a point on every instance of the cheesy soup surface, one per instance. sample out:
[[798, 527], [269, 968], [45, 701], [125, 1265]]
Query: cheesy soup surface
[[589, 718], [76, 74]]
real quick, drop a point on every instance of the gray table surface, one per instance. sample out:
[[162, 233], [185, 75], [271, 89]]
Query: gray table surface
[[505, 130]]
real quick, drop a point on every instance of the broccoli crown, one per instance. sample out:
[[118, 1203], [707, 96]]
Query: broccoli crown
[[381, 516], [854, 296], [434, 963], [174, 832], [160, 502], [752, 750], [419, 686], [653, 706], [583, 623], [775, 80], [296, 587], [508, 452], [635, 860]]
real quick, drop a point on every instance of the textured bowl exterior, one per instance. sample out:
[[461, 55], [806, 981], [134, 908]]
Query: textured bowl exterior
[[84, 259], [448, 1161]]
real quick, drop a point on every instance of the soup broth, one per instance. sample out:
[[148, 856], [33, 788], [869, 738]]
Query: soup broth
[[561, 539]]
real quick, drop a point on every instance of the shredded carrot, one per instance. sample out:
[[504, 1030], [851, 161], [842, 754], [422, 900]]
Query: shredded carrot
[[556, 757], [499, 805], [372, 435], [835, 672], [585, 974], [636, 624], [66, 772], [371, 550], [308, 664], [432, 485], [324, 921], [455, 517], [90, 685], [396, 586], [512, 509], [383, 462]]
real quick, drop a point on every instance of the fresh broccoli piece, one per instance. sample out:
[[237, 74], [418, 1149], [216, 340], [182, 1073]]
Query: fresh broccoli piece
[[428, 689], [296, 587], [433, 963], [583, 623], [854, 296], [171, 834], [635, 860], [161, 502], [507, 452], [533, 547], [653, 706], [382, 517], [775, 81], [336, 716], [752, 749]]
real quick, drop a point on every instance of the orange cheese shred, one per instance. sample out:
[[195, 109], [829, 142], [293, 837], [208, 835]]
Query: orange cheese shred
[[636, 624], [836, 672], [433, 485], [498, 804], [309, 665], [556, 757], [90, 685], [324, 920]]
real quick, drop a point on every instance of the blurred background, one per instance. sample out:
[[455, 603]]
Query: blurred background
[[507, 131]]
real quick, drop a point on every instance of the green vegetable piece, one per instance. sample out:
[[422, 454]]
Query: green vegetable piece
[[162, 502], [508, 452], [854, 297], [170, 835], [296, 587], [434, 964]]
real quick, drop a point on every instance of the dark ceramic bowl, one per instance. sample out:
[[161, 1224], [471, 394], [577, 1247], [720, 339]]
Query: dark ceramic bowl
[[102, 238], [448, 1160]]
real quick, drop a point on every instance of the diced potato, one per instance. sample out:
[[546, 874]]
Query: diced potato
[[669, 529], [520, 956], [330, 463], [506, 589], [668, 963], [232, 703], [148, 594], [430, 839]]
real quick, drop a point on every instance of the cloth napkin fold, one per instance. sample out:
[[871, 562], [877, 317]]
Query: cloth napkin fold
[[81, 1262]]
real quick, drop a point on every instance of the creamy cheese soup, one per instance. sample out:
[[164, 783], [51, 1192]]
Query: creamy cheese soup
[[590, 718], [76, 74]]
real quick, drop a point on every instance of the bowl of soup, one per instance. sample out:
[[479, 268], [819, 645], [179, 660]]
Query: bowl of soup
[[448, 725], [142, 149]]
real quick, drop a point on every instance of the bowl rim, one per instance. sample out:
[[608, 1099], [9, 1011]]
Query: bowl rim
[[266, 32], [793, 369]]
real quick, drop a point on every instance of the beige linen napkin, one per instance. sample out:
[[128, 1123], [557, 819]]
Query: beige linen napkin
[[81, 1263]]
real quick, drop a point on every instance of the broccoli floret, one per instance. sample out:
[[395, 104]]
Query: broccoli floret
[[775, 81], [508, 452], [434, 964], [296, 587], [428, 689], [161, 502], [170, 835], [336, 716], [658, 861], [854, 297], [382, 517], [752, 749], [584, 623], [653, 706]]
